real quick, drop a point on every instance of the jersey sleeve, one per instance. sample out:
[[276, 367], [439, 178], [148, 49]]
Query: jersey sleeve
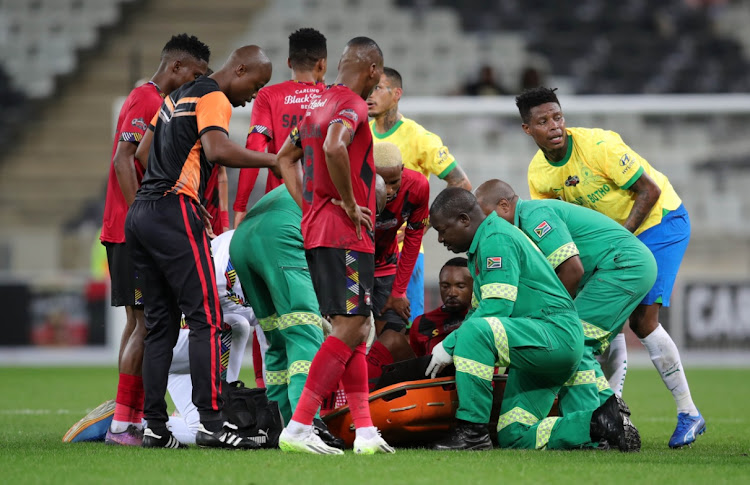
[[351, 114], [261, 121], [248, 176], [551, 235], [136, 120], [412, 235], [498, 258], [619, 162], [213, 112], [433, 155]]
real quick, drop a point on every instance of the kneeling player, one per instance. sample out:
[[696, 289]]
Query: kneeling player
[[407, 201]]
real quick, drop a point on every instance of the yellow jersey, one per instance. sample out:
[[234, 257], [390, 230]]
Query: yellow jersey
[[597, 172], [421, 150]]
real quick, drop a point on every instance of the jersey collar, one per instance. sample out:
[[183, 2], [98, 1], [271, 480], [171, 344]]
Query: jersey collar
[[567, 154], [517, 215], [488, 221], [388, 133]]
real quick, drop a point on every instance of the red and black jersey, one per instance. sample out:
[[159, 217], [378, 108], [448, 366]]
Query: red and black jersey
[[276, 111], [411, 205], [176, 162], [430, 329], [323, 223], [136, 112]]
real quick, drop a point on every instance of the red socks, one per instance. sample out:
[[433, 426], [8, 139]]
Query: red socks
[[129, 400], [376, 359], [257, 361], [355, 385], [325, 372]]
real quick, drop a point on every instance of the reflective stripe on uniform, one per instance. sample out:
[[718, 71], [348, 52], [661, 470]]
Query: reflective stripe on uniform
[[499, 290], [544, 431], [474, 368], [269, 323], [595, 333], [474, 301], [602, 384], [516, 415], [581, 378], [501, 341], [299, 367], [277, 377], [562, 254], [299, 318]]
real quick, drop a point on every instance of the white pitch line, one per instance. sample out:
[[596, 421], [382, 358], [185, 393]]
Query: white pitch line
[[38, 411]]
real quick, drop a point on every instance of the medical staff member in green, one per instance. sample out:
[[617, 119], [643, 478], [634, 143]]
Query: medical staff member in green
[[522, 318], [605, 268]]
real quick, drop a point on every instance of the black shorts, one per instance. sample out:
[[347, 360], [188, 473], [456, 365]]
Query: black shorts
[[380, 294], [126, 290], [343, 280]]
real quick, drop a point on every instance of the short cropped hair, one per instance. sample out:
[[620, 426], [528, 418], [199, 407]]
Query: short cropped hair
[[532, 98], [453, 201], [306, 47], [386, 155], [188, 44], [365, 42], [458, 262], [394, 77]]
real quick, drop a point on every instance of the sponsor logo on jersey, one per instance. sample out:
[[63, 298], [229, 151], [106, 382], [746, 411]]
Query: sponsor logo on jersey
[[291, 99], [624, 160], [542, 229], [139, 123], [494, 262], [317, 103], [572, 181], [349, 113]]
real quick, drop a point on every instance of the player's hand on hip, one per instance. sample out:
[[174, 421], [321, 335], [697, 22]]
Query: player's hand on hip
[[399, 305], [439, 361], [360, 216]]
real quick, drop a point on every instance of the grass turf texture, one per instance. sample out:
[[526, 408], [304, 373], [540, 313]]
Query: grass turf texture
[[37, 406]]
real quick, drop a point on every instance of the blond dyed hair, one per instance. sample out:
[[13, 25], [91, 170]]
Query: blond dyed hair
[[386, 155]]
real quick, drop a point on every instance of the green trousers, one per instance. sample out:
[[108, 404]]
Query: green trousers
[[604, 304], [272, 268], [540, 355]]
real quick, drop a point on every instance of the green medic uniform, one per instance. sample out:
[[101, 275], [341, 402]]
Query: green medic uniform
[[269, 257], [522, 318], [619, 270]]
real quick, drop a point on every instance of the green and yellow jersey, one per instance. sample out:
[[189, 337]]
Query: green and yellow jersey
[[563, 230], [597, 172], [421, 150]]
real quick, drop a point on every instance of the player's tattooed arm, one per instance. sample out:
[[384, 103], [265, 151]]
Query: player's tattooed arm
[[457, 178], [646, 194], [288, 160]]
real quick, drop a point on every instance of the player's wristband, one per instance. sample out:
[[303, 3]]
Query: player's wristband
[[224, 218], [398, 295]]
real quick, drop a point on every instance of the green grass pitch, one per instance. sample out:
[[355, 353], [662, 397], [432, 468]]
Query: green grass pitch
[[37, 406]]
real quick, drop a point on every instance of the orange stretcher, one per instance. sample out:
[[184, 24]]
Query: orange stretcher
[[413, 413]]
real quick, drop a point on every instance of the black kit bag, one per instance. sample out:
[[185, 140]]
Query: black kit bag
[[254, 415]]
